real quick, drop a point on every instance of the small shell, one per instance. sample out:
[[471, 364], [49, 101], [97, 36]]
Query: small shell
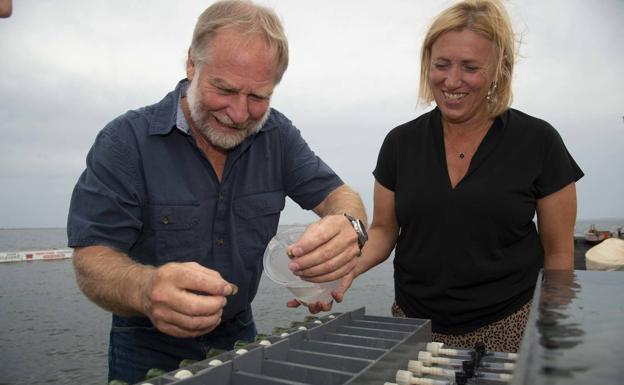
[[215, 363], [180, 374]]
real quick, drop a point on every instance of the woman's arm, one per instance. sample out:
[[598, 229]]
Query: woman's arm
[[383, 233], [382, 237], [556, 215]]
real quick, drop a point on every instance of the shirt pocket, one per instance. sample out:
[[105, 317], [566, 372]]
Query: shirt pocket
[[175, 227], [257, 217]]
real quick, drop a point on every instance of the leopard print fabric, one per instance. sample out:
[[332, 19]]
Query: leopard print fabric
[[503, 335]]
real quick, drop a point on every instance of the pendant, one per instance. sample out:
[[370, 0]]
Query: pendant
[[461, 155]]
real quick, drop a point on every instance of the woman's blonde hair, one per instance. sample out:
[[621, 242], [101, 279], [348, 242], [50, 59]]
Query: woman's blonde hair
[[489, 19]]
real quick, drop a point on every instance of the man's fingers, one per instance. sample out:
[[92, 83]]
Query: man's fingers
[[186, 299], [179, 306], [193, 276], [315, 235], [191, 297], [328, 272], [185, 327], [185, 314], [342, 244], [332, 255], [193, 304]]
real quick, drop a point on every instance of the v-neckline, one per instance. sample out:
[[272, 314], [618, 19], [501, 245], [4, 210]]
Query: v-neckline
[[484, 149]]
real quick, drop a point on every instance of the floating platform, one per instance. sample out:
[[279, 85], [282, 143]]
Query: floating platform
[[37, 255]]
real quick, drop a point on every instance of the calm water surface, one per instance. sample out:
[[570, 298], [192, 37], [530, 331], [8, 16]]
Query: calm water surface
[[51, 334], [577, 330]]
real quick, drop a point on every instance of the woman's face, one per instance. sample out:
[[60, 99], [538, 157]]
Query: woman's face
[[463, 67]]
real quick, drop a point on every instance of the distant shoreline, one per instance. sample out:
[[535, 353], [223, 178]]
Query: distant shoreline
[[611, 220]]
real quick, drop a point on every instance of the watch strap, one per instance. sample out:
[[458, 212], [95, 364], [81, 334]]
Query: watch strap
[[358, 226]]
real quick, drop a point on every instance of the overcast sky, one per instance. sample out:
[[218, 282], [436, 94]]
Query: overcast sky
[[69, 67]]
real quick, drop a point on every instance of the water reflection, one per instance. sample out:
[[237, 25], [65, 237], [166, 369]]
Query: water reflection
[[556, 326]]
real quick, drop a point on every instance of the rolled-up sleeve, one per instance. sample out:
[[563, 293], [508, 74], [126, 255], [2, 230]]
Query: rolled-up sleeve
[[105, 207]]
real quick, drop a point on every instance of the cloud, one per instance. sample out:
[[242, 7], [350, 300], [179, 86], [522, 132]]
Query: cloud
[[69, 67]]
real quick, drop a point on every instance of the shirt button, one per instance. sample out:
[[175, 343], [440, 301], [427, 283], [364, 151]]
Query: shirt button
[[220, 242], [165, 220]]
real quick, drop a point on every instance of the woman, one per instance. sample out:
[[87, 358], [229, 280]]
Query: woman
[[457, 189]]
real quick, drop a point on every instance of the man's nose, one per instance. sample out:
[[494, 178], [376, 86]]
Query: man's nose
[[239, 109]]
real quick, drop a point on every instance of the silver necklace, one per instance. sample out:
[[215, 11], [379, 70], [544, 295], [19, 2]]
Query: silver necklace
[[462, 154]]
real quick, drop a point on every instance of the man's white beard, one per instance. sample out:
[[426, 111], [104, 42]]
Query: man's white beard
[[217, 138]]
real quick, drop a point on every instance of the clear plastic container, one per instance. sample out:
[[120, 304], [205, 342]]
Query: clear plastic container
[[276, 262]]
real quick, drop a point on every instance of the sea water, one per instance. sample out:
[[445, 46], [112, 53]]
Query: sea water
[[51, 334]]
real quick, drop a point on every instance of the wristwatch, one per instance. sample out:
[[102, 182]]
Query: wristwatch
[[360, 229]]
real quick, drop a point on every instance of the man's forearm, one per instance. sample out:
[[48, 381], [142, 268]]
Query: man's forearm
[[342, 200], [111, 279]]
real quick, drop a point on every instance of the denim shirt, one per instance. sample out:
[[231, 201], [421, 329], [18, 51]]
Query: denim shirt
[[149, 191]]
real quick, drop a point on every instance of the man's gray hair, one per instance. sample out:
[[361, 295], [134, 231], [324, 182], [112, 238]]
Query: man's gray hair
[[246, 18]]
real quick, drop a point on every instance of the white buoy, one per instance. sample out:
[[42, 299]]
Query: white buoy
[[215, 363]]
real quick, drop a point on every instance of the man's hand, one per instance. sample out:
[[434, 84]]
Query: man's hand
[[185, 299], [326, 251], [181, 299]]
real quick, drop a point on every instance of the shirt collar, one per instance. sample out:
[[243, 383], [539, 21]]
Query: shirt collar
[[181, 123], [167, 111]]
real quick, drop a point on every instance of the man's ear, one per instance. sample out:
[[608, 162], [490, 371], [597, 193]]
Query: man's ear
[[190, 66]]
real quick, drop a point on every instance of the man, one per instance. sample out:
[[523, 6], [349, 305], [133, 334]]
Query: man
[[179, 199]]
